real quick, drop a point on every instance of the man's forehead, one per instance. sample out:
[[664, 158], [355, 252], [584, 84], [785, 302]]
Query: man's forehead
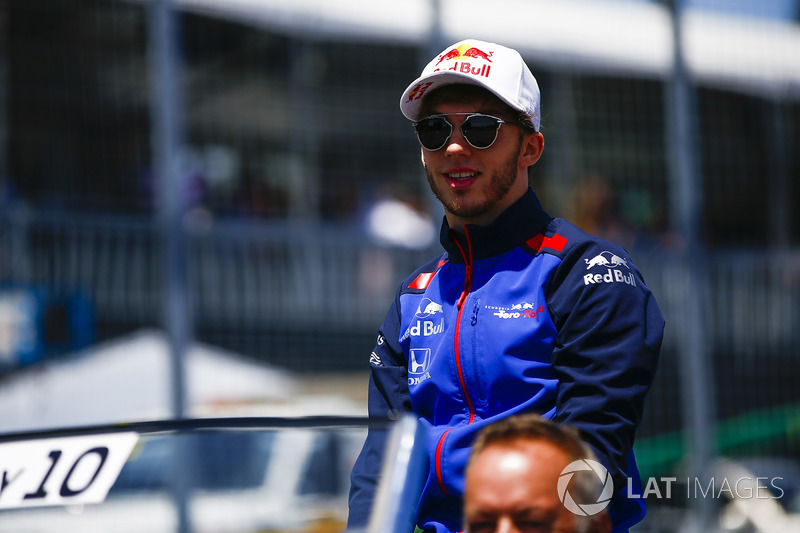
[[522, 457], [517, 479]]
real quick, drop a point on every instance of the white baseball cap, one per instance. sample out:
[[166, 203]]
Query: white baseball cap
[[497, 68]]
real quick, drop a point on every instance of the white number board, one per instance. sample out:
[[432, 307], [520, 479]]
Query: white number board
[[62, 471]]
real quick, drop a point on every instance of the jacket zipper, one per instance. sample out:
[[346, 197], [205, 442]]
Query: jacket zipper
[[460, 306]]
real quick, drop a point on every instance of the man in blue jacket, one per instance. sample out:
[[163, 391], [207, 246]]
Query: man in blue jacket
[[521, 313]]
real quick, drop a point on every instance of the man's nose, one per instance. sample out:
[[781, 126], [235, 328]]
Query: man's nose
[[457, 144], [506, 525]]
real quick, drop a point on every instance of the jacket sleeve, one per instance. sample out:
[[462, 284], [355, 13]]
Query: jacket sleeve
[[388, 394], [606, 350]]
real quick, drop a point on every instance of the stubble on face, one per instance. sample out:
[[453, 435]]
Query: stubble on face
[[499, 185]]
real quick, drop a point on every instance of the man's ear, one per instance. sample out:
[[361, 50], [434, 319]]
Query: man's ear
[[532, 148]]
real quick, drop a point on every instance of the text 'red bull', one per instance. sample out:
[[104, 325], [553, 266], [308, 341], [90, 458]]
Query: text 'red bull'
[[466, 67]]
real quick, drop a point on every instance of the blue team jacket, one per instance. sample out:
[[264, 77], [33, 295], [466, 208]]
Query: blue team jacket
[[528, 314]]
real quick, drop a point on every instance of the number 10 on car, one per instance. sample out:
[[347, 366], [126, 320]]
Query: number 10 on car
[[62, 471]]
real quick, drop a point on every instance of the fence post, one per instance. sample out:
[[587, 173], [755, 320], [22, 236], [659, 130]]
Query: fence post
[[167, 140], [685, 205]]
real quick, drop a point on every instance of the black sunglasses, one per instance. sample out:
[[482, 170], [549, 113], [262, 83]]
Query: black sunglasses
[[479, 130]]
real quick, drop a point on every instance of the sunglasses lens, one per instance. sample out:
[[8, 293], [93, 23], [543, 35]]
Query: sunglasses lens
[[480, 130], [433, 132]]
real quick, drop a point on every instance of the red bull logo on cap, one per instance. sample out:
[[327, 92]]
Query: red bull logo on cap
[[466, 59], [465, 50], [463, 59]]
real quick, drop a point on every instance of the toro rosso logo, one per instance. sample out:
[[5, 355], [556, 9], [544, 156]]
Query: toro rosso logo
[[610, 262], [520, 310]]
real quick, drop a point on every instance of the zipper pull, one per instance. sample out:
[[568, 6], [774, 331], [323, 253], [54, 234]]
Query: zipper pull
[[461, 299]]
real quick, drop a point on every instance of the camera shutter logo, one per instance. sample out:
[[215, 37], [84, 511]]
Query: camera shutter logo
[[585, 509]]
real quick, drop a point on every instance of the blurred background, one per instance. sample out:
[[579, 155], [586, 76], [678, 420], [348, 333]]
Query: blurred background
[[237, 175]]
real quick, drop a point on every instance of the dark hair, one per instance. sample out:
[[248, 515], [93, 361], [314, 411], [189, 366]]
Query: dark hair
[[532, 427]]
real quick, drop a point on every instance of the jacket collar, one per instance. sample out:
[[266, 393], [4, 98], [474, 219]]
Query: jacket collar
[[524, 219]]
